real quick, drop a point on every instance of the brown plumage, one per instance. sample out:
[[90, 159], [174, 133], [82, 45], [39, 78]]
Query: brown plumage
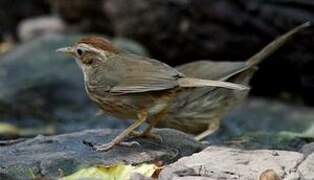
[[129, 86], [206, 107], [99, 42]]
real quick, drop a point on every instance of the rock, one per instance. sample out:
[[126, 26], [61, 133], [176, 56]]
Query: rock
[[307, 149], [228, 163], [265, 124], [40, 87], [137, 176], [47, 156], [34, 27], [307, 167]]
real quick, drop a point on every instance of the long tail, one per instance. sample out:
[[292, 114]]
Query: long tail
[[194, 82], [274, 45]]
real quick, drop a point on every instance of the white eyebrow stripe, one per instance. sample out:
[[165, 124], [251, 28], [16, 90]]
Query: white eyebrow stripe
[[88, 47]]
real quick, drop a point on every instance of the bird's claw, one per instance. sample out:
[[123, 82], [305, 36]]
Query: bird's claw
[[131, 143], [147, 135], [108, 146], [153, 136], [103, 147]]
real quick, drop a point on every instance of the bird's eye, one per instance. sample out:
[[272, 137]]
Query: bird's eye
[[79, 52]]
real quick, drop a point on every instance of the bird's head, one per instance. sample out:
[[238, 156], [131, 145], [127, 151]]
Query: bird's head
[[90, 51]]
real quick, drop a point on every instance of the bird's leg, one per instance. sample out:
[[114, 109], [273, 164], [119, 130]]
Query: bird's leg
[[118, 140], [147, 131], [212, 127]]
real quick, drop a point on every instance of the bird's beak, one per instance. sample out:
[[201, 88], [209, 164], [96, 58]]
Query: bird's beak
[[66, 50]]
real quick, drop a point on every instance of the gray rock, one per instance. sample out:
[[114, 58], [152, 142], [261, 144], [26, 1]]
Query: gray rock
[[228, 163], [193, 178], [307, 149], [268, 115], [34, 27], [265, 124], [39, 87], [44, 156], [306, 169], [137, 176]]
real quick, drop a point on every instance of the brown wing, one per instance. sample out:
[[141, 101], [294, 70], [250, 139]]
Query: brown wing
[[142, 74]]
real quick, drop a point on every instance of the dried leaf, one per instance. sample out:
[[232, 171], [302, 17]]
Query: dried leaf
[[113, 172], [6, 128], [9, 129]]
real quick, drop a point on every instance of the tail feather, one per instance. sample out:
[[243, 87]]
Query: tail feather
[[195, 82], [274, 45]]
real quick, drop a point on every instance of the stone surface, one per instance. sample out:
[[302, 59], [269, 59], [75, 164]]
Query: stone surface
[[307, 149], [35, 27], [266, 124], [307, 168], [227, 163], [40, 87], [47, 156]]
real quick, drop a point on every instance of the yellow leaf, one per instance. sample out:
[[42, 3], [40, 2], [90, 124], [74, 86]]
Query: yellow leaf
[[9, 129], [114, 172], [6, 128]]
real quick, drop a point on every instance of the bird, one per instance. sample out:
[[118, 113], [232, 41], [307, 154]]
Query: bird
[[130, 86], [200, 111]]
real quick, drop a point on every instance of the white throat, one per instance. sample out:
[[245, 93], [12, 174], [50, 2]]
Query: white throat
[[83, 68]]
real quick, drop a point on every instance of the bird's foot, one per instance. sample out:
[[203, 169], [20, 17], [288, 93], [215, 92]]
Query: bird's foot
[[152, 136], [146, 135], [104, 147], [108, 146]]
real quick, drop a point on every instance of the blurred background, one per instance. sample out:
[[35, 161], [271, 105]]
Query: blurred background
[[42, 92]]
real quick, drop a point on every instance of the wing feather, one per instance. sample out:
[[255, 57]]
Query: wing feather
[[145, 74]]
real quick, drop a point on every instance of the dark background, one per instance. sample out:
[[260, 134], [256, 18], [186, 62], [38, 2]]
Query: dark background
[[179, 31]]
